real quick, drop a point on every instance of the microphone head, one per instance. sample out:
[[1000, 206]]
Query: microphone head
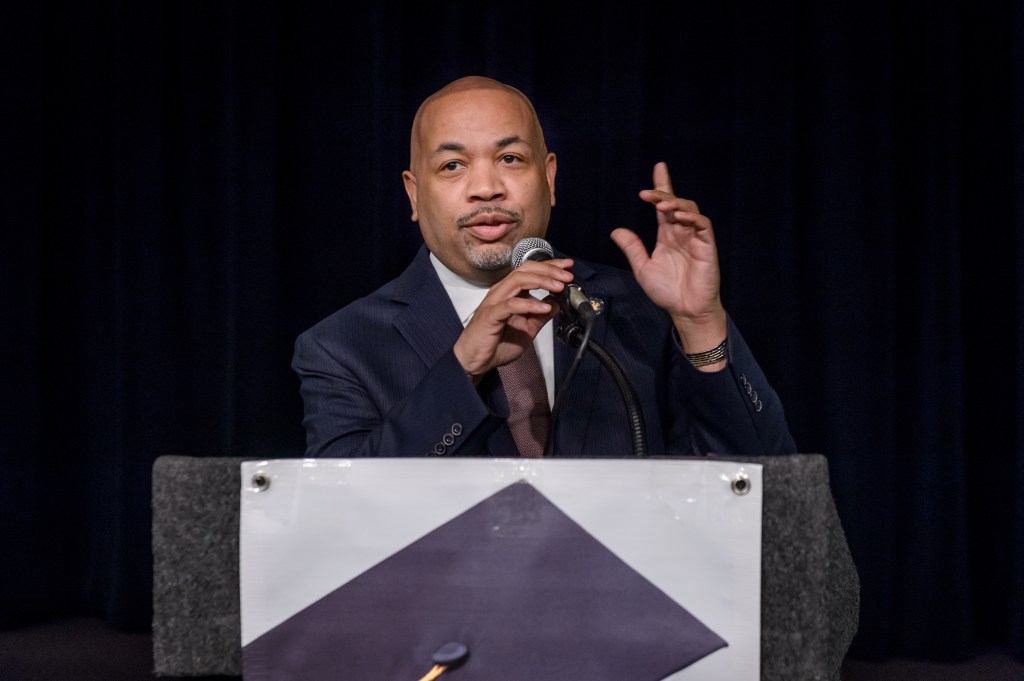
[[531, 248]]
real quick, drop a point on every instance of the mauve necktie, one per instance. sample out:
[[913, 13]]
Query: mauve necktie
[[528, 410]]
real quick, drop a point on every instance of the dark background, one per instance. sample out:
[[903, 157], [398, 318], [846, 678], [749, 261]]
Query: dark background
[[189, 185]]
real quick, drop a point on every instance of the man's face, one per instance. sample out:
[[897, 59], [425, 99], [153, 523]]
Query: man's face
[[481, 180]]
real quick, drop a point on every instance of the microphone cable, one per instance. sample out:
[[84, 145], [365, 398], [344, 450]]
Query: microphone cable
[[564, 333], [572, 334]]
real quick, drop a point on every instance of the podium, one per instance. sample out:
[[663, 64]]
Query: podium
[[809, 584]]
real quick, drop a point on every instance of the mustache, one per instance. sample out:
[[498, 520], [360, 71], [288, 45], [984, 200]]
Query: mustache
[[486, 210]]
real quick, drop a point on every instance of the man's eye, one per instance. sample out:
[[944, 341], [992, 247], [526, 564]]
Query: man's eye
[[451, 166], [509, 158]]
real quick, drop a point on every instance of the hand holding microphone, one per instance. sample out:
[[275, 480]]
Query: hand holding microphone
[[572, 300], [509, 318]]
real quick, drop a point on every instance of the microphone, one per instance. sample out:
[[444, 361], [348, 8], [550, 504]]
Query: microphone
[[577, 306], [572, 299]]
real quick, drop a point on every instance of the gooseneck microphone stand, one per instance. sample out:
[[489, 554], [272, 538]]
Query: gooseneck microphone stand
[[575, 335]]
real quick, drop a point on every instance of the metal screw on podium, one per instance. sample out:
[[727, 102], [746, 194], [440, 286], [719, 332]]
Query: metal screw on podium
[[260, 481], [740, 484]]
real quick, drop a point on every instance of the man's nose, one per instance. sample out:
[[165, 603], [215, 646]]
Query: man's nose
[[485, 183]]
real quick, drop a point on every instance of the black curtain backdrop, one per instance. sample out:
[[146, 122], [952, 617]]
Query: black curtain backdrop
[[189, 185]]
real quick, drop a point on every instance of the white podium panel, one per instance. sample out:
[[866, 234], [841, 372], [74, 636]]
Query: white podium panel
[[679, 531]]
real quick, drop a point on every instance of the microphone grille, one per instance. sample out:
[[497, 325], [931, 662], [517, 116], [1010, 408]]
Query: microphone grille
[[531, 248]]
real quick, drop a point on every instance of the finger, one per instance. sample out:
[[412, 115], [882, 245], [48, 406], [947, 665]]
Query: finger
[[549, 275], [501, 311], [690, 219], [553, 268], [683, 219], [529, 325], [666, 203], [563, 263], [632, 247], [520, 329], [526, 305], [662, 180]]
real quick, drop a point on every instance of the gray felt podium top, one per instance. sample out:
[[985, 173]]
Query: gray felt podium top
[[810, 592]]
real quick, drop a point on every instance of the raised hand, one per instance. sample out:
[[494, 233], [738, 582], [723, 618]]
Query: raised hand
[[681, 274]]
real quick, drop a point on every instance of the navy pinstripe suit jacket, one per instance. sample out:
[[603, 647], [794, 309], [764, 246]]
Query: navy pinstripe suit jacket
[[379, 378]]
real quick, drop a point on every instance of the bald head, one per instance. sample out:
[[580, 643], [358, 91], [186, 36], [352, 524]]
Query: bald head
[[482, 84]]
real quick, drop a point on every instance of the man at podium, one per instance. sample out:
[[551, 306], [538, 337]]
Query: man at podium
[[463, 353]]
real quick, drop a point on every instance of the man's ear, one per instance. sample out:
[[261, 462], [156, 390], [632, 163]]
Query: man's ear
[[409, 180], [550, 167]]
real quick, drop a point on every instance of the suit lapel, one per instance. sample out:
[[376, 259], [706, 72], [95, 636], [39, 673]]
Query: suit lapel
[[429, 324], [428, 321]]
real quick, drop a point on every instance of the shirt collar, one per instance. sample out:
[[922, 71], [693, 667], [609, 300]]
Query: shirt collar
[[466, 296]]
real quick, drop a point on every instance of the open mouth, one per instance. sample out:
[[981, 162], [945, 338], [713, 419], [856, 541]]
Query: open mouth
[[488, 231], [489, 223]]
